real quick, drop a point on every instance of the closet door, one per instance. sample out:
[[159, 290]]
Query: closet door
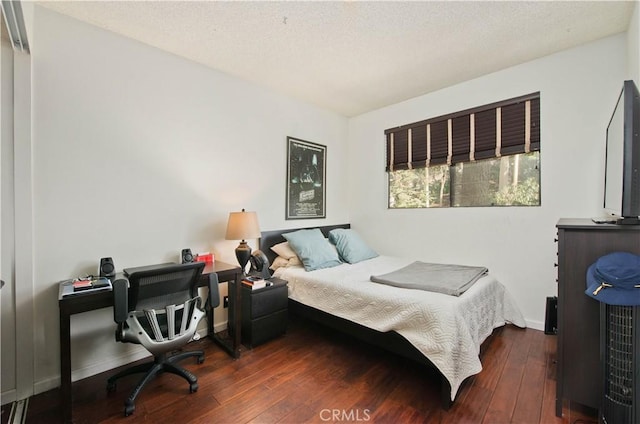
[[7, 306]]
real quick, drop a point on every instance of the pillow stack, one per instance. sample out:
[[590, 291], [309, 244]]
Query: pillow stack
[[286, 256], [310, 248]]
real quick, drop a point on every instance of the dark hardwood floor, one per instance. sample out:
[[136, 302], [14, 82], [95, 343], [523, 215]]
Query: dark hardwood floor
[[314, 375]]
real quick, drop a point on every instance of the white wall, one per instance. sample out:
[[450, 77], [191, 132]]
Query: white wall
[[578, 89], [633, 45], [138, 154]]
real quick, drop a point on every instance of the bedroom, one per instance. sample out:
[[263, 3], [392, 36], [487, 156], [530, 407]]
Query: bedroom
[[216, 143]]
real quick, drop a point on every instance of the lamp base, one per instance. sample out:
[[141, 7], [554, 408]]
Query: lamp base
[[243, 253]]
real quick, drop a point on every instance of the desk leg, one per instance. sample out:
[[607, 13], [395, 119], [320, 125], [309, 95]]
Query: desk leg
[[65, 366], [230, 344], [210, 327], [237, 317]]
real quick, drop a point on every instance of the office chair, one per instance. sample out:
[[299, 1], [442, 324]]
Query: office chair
[[159, 308]]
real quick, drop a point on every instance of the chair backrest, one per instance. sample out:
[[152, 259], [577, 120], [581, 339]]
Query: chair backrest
[[160, 310], [167, 284]]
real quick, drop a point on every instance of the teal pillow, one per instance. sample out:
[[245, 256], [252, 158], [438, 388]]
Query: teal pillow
[[313, 249], [351, 247]]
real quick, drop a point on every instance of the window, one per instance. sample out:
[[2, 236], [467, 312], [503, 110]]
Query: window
[[487, 156]]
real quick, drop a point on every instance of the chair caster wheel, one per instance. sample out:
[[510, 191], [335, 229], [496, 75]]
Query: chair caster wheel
[[193, 387], [111, 386], [128, 410], [200, 360]]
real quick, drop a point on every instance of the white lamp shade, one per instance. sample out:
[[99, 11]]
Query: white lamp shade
[[243, 225]]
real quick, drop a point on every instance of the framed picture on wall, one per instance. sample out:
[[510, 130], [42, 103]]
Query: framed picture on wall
[[306, 187]]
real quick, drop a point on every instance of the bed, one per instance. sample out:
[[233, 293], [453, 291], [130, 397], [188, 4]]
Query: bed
[[440, 330]]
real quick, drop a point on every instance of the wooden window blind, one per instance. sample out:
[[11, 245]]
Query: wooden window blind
[[503, 128]]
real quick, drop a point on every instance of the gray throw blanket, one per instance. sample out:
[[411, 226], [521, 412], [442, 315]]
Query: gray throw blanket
[[442, 278]]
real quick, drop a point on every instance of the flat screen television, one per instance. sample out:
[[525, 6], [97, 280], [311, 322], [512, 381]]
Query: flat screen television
[[622, 159]]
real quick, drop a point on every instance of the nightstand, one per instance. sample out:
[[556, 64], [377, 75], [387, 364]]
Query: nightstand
[[264, 312]]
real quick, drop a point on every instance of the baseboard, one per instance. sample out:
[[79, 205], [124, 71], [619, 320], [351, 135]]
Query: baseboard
[[93, 369], [136, 354], [46, 385], [220, 327], [109, 364], [536, 325], [8, 396]]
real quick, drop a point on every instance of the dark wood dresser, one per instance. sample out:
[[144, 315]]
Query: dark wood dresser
[[580, 243]]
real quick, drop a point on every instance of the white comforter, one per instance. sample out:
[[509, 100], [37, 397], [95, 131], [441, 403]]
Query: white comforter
[[446, 329]]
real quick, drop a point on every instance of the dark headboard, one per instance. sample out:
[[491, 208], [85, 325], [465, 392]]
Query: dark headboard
[[271, 238]]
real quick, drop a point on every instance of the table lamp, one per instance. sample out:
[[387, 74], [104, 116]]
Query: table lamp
[[243, 225]]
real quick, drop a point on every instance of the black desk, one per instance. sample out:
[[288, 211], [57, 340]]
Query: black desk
[[91, 301]]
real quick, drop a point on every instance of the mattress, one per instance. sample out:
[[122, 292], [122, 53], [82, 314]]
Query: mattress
[[448, 330]]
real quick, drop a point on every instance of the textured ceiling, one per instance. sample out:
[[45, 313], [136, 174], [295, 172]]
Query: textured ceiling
[[356, 56]]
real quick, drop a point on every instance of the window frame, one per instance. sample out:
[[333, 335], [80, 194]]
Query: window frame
[[505, 128]]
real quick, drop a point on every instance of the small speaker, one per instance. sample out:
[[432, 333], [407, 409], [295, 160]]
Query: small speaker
[[551, 316], [107, 268], [187, 256]]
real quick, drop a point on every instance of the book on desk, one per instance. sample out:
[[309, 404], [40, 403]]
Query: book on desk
[[79, 286], [255, 283]]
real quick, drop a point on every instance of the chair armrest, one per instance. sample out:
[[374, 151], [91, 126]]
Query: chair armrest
[[214, 292], [120, 300]]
